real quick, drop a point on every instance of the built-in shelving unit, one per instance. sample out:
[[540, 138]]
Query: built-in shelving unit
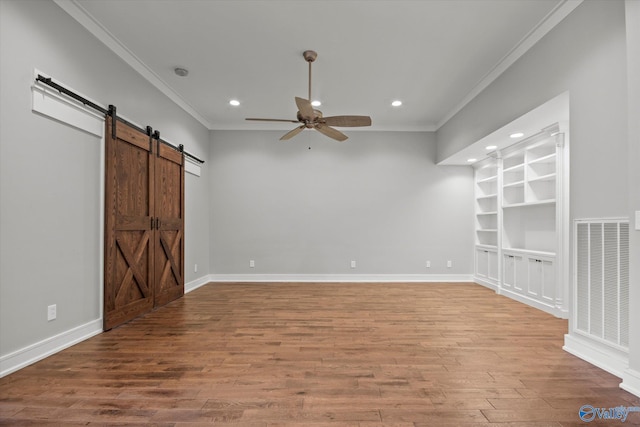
[[486, 193], [529, 175], [487, 222], [517, 220]]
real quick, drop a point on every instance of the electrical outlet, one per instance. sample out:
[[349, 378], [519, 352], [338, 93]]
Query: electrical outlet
[[353, 264], [428, 264], [51, 312], [252, 263], [449, 264], [195, 268]]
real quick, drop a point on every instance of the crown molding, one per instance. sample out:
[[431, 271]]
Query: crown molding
[[85, 19], [553, 18]]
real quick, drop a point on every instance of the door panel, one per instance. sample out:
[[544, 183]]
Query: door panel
[[129, 196], [169, 210], [493, 265]]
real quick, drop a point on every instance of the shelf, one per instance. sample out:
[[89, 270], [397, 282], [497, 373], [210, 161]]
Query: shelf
[[488, 247], [489, 179], [487, 230], [524, 204], [514, 184], [487, 213], [513, 168], [549, 158], [488, 196], [547, 177], [541, 151], [521, 251]]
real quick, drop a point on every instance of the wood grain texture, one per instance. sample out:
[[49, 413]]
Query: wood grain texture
[[319, 354], [169, 236], [129, 201], [144, 224]]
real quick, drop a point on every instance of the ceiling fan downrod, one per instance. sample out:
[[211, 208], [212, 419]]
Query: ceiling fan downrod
[[309, 56]]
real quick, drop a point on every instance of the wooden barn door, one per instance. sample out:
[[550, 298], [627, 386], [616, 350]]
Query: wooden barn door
[[169, 235], [129, 193], [144, 224]]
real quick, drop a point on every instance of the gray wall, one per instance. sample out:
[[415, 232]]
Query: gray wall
[[587, 55], [50, 173], [378, 199], [633, 73]]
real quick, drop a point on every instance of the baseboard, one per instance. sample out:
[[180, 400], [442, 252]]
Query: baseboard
[[531, 302], [353, 278], [631, 381], [26, 356], [486, 283], [611, 360], [195, 284]]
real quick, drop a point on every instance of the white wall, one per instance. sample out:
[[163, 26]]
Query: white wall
[[378, 199], [50, 173]]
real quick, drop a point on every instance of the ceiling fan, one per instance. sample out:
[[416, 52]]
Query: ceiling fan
[[313, 119]]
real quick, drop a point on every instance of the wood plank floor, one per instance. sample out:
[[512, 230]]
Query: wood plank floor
[[403, 354]]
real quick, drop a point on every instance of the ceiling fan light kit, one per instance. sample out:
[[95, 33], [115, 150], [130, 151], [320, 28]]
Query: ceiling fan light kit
[[310, 118]]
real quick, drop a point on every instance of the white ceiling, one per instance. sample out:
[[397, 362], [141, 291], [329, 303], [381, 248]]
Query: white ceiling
[[434, 55]]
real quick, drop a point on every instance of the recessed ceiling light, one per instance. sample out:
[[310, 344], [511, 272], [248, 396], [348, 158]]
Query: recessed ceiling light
[[234, 102], [182, 72], [516, 135], [316, 103], [471, 160], [491, 147], [396, 103]]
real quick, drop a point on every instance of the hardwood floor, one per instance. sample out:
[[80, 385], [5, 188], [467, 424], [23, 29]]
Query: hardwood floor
[[320, 354]]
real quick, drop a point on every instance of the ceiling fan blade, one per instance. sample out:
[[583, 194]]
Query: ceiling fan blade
[[305, 108], [347, 121], [331, 132], [272, 120], [292, 133]]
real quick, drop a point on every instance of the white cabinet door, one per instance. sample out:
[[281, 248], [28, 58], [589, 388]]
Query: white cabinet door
[[534, 279], [482, 262], [493, 265], [520, 284], [541, 280], [548, 281], [509, 271]]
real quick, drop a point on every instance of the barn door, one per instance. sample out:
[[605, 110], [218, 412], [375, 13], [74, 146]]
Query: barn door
[[169, 234], [144, 224], [129, 200]]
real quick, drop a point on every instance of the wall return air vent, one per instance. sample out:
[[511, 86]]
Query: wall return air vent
[[602, 281]]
